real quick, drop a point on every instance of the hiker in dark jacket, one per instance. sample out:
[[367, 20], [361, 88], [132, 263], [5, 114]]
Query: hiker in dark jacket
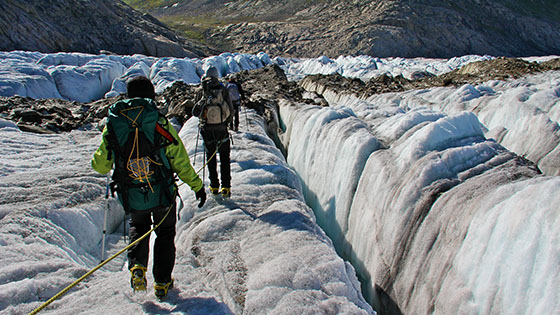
[[148, 193], [214, 109], [237, 96]]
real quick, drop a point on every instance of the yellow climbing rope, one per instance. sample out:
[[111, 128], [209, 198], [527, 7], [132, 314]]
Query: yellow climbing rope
[[138, 167], [82, 278], [73, 284]]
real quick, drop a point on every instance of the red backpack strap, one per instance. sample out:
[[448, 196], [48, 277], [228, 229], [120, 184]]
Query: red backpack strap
[[166, 134]]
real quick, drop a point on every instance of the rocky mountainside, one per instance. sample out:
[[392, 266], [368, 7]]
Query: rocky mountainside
[[383, 28], [90, 26]]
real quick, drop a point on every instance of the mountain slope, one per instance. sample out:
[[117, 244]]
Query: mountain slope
[[88, 26], [406, 28]]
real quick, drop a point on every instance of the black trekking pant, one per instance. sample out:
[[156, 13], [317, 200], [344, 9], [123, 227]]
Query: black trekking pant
[[235, 122], [217, 138], [164, 245]]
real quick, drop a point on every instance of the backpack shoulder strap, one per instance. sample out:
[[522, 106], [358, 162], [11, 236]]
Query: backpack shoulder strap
[[166, 134], [112, 143]]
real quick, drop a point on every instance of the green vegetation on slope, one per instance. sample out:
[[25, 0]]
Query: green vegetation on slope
[[194, 27], [198, 27], [145, 5]]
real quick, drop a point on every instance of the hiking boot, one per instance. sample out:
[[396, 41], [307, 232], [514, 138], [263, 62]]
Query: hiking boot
[[161, 289], [138, 280], [226, 192], [214, 190]]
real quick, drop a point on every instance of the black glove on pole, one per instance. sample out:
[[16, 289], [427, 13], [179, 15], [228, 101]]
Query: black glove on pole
[[201, 195]]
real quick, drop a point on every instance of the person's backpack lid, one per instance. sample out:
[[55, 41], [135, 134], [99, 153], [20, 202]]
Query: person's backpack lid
[[210, 85], [212, 72]]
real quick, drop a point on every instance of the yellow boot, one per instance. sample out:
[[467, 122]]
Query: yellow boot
[[161, 289], [138, 280], [226, 192], [214, 190]]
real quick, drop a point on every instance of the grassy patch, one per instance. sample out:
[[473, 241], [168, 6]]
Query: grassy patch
[[145, 5], [196, 27], [193, 27]]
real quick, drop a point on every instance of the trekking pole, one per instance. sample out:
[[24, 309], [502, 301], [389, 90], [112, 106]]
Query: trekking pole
[[204, 167], [196, 147], [246, 120], [124, 227], [105, 219]]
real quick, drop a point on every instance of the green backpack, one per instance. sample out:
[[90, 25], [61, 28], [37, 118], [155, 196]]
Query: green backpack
[[143, 178]]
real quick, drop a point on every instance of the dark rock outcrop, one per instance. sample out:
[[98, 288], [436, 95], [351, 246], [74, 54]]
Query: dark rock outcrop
[[473, 73], [52, 115], [89, 26]]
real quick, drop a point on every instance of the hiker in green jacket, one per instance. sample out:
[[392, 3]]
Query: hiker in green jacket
[[146, 153]]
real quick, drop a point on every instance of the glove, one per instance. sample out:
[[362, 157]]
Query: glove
[[201, 195]]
